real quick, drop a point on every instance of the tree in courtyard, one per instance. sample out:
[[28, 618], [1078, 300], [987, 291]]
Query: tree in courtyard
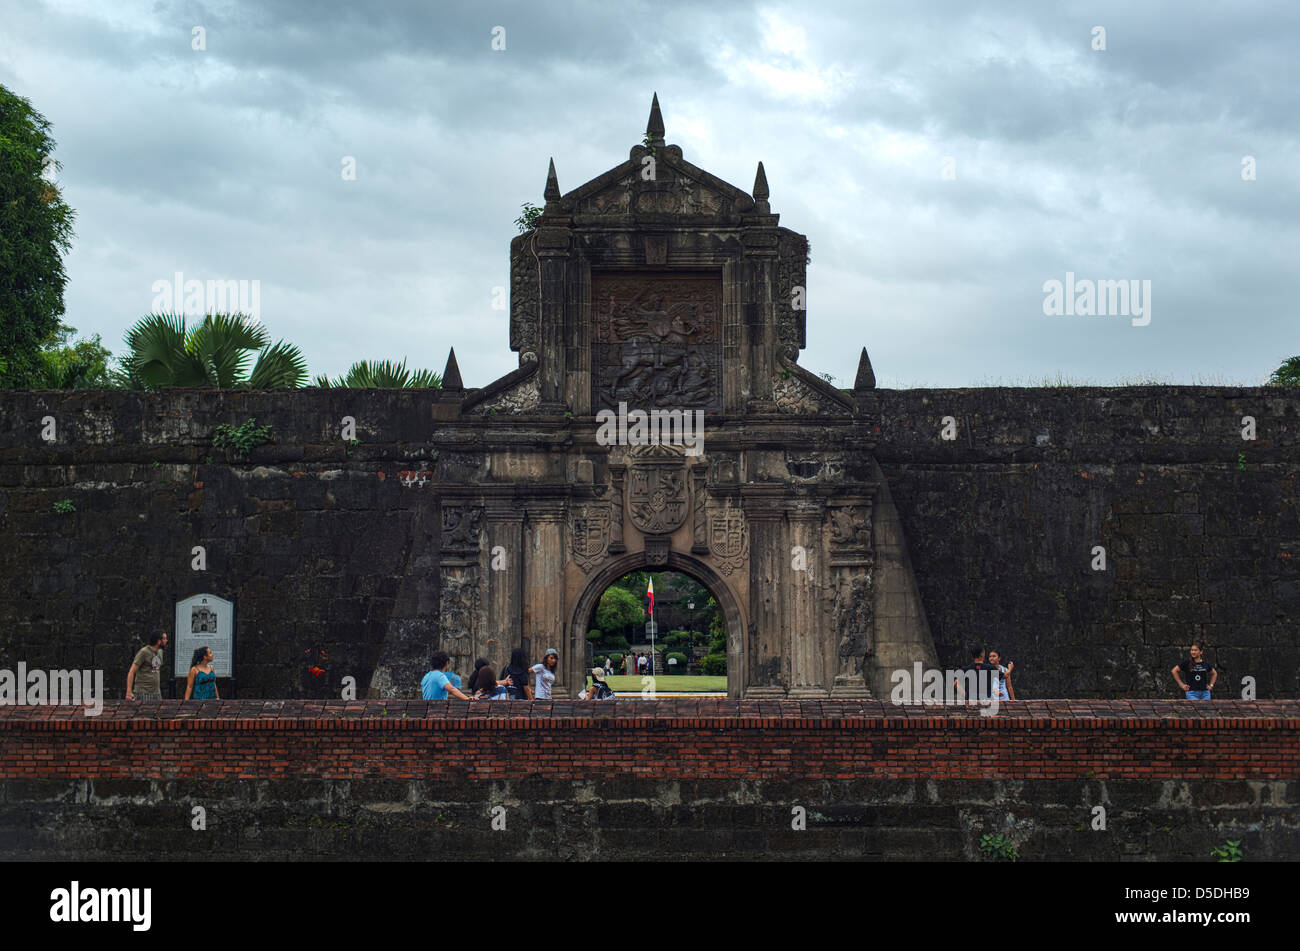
[[617, 610], [35, 233]]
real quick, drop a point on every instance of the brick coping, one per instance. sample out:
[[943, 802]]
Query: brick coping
[[379, 715]]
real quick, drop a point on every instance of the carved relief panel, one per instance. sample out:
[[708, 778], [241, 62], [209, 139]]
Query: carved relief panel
[[656, 341]]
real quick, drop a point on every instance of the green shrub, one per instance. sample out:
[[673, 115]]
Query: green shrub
[[64, 506], [714, 665], [594, 635], [999, 847], [238, 440], [616, 642], [680, 666]]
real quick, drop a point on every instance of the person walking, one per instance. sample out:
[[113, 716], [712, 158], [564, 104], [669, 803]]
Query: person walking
[[201, 684], [1002, 677], [1198, 672], [517, 675], [144, 678], [544, 674], [438, 684]]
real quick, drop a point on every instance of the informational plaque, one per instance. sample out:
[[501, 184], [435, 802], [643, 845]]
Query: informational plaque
[[204, 620]]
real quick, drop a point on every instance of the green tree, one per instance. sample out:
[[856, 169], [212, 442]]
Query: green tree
[[163, 352], [85, 364], [366, 374], [1288, 374], [35, 233], [618, 609], [527, 221]]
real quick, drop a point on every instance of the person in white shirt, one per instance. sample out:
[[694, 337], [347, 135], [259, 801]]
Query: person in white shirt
[[544, 674]]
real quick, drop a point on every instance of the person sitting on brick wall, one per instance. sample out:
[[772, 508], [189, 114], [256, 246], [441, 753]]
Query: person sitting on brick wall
[[438, 684]]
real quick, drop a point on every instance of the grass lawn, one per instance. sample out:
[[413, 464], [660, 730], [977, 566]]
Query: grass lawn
[[668, 683]]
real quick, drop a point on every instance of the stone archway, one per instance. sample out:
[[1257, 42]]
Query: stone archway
[[614, 569]]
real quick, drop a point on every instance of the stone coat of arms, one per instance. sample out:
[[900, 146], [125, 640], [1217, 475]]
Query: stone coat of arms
[[657, 497], [728, 538], [589, 534]]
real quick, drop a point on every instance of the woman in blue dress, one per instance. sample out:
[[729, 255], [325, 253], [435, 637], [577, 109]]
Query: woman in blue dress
[[202, 682]]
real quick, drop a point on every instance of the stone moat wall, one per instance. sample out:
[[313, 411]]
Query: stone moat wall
[[329, 550], [668, 779]]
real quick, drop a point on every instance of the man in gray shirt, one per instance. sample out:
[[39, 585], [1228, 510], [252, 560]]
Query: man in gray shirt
[[144, 679]]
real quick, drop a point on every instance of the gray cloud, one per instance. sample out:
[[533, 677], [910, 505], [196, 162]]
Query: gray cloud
[[1125, 163]]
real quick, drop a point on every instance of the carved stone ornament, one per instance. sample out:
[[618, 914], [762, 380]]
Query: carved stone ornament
[[461, 528], [589, 534], [851, 619], [728, 538], [657, 341], [657, 496], [850, 526]]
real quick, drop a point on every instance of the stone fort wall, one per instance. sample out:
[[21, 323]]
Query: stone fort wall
[[330, 550], [631, 779]]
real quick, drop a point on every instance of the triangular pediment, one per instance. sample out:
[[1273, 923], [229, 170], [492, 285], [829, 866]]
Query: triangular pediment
[[666, 185]]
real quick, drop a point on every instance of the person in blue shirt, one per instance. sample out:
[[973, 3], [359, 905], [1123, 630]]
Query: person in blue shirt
[[439, 683]]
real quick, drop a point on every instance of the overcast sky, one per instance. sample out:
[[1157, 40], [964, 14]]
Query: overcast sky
[[1122, 163]]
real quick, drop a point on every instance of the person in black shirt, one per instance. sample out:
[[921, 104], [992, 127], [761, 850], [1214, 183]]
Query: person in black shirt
[[984, 677], [1198, 673], [518, 675]]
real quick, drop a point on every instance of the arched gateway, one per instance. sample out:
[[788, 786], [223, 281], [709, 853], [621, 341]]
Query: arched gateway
[[659, 297]]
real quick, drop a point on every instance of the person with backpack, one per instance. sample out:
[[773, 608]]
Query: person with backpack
[[599, 690]]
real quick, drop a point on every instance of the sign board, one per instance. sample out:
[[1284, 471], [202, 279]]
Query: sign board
[[204, 620], [672, 661], [652, 627]]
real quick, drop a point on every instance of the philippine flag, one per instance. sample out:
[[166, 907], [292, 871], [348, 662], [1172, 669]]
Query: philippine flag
[[650, 593]]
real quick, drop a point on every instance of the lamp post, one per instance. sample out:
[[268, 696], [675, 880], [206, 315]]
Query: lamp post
[[691, 605]]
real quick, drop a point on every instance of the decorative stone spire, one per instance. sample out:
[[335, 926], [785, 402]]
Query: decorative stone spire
[[866, 376], [451, 376], [654, 129], [552, 192], [761, 192]]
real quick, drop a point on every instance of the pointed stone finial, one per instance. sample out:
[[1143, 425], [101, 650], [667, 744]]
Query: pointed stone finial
[[866, 379], [451, 376], [760, 185], [552, 192], [654, 129]]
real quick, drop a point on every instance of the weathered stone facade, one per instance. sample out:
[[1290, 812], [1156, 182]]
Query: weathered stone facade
[[842, 535]]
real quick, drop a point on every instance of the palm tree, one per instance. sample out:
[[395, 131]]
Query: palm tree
[[162, 352], [384, 374]]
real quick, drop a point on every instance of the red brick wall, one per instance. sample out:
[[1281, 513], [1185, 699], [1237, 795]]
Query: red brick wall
[[666, 739]]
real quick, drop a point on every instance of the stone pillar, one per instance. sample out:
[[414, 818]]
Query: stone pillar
[[504, 580], [849, 612], [543, 595], [699, 503], [460, 565], [769, 574], [616, 474], [806, 633]]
